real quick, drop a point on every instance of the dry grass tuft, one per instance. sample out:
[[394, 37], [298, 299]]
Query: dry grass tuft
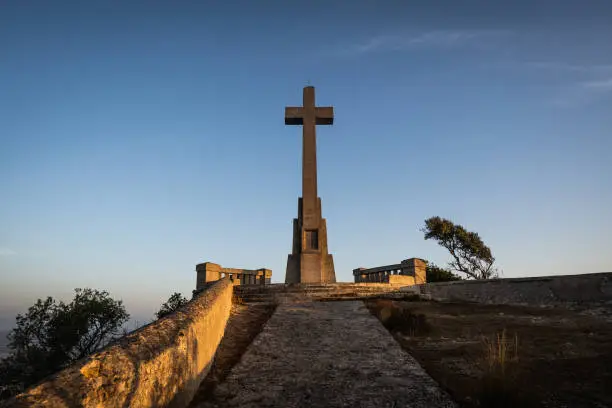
[[500, 352], [499, 386]]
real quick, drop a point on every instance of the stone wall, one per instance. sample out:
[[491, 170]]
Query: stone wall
[[586, 289], [160, 365]]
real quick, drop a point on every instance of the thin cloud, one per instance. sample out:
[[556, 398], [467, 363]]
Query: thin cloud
[[579, 84], [604, 85], [7, 251], [430, 39], [564, 67]]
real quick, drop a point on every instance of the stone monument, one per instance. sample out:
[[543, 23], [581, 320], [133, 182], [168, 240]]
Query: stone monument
[[309, 261]]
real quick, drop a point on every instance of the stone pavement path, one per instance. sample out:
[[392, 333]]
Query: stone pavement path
[[326, 354]]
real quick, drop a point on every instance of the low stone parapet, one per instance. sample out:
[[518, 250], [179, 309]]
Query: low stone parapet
[[585, 289], [159, 365]]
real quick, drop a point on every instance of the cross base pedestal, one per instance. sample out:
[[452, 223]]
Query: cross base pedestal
[[309, 261]]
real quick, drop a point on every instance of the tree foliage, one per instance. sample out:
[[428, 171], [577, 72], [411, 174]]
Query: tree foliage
[[470, 255], [52, 335], [175, 301], [438, 274]]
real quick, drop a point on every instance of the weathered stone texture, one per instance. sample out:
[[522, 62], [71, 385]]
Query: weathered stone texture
[[586, 289], [327, 354], [160, 365], [401, 280]]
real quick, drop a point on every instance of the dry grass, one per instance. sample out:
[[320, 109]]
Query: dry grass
[[499, 382], [500, 352]]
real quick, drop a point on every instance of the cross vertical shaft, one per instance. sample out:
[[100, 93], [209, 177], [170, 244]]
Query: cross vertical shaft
[[309, 160]]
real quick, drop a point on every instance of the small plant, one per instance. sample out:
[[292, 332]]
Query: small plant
[[500, 352], [499, 388]]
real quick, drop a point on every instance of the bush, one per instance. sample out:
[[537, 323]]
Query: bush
[[52, 335], [174, 302], [397, 318], [437, 274]]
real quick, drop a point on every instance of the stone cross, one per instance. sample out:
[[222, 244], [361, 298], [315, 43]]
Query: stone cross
[[309, 261]]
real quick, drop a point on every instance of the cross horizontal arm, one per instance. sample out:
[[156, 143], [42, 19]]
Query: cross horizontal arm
[[325, 115], [294, 115]]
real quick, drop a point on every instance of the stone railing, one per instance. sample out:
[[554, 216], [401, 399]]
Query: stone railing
[[409, 272], [210, 272], [159, 365]]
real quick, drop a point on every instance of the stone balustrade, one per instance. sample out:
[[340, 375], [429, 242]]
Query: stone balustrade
[[409, 272], [210, 272]]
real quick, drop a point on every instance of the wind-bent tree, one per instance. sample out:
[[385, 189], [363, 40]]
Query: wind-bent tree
[[175, 301], [470, 255], [52, 335]]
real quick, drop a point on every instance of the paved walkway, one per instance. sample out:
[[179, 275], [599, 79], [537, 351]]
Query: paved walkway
[[327, 354]]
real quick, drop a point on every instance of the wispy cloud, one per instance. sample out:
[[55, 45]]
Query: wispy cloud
[[564, 67], [603, 85], [7, 251], [578, 84], [429, 39]]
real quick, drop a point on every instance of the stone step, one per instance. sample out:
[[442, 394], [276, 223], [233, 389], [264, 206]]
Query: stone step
[[316, 289], [311, 293]]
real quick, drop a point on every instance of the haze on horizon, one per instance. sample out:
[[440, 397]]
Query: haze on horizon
[[138, 139]]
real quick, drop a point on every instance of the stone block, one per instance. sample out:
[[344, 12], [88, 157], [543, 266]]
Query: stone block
[[401, 280]]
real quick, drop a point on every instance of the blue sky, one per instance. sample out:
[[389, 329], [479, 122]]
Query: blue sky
[[139, 138]]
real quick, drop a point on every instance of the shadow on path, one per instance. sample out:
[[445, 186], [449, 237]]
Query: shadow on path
[[245, 323]]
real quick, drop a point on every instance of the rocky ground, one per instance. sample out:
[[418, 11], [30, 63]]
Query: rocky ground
[[246, 321]]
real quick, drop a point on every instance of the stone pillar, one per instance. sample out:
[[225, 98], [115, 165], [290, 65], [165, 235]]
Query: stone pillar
[[415, 267], [359, 275], [207, 272]]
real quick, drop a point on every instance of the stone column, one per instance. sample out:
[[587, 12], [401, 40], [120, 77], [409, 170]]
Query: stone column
[[207, 272], [359, 275], [415, 267]]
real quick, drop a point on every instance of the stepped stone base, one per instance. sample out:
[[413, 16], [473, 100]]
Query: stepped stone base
[[302, 292]]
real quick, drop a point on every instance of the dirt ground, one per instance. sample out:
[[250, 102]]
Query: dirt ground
[[554, 357], [245, 323]]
